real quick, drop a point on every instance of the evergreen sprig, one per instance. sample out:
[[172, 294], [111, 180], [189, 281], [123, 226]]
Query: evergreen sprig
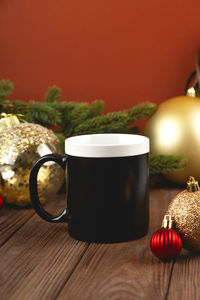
[[99, 124], [116, 121], [96, 108], [72, 118], [42, 113], [141, 111], [6, 88], [163, 164], [53, 94]]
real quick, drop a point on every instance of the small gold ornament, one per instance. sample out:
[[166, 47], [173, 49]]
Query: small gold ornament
[[20, 147], [185, 211], [174, 129]]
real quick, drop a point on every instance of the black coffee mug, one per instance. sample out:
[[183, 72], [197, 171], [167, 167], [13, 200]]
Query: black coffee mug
[[107, 187]]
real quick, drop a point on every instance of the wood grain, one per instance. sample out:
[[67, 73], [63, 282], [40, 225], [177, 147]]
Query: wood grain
[[123, 271], [185, 278], [11, 220], [37, 260]]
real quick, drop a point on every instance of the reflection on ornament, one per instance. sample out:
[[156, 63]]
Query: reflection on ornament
[[185, 210], [191, 92], [43, 149], [174, 130], [20, 147], [7, 172], [169, 132]]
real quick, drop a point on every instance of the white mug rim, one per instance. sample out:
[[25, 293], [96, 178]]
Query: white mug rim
[[107, 145]]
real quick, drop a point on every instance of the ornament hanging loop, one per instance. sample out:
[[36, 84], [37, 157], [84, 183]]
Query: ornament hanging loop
[[194, 90], [192, 185], [167, 222]]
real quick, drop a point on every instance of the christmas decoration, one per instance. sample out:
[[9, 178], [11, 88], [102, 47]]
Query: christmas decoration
[[166, 243], [7, 121], [185, 210], [1, 201], [194, 90], [72, 118], [20, 147], [163, 164], [174, 129]]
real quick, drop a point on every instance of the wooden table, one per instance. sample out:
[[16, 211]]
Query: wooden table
[[39, 260]]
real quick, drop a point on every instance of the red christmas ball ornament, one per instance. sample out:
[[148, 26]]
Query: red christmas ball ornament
[[1, 201], [166, 243]]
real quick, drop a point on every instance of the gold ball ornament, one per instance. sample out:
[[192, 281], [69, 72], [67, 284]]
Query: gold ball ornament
[[174, 129], [185, 211], [20, 147]]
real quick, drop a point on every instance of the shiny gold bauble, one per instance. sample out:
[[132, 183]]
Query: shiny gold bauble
[[174, 129], [20, 147], [185, 210]]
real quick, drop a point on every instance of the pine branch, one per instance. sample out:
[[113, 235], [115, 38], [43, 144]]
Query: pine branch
[[42, 113], [162, 164], [62, 138], [53, 94], [6, 88], [95, 108], [140, 111], [106, 123], [128, 130], [75, 117], [71, 110], [72, 118], [115, 121], [81, 113], [15, 107]]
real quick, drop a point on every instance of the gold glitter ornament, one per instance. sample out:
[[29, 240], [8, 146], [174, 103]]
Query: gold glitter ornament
[[20, 147], [185, 211]]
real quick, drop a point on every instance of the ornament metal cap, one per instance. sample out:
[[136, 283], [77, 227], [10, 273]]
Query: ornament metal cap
[[167, 222], [7, 121], [192, 185]]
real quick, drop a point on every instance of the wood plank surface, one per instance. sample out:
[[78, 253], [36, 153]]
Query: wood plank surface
[[126, 270], [185, 280], [39, 260], [11, 219]]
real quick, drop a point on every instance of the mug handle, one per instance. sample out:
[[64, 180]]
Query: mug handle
[[33, 188]]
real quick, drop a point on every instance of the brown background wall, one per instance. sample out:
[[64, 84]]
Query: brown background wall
[[123, 51]]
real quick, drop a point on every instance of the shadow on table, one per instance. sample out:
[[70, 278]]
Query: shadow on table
[[186, 254]]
